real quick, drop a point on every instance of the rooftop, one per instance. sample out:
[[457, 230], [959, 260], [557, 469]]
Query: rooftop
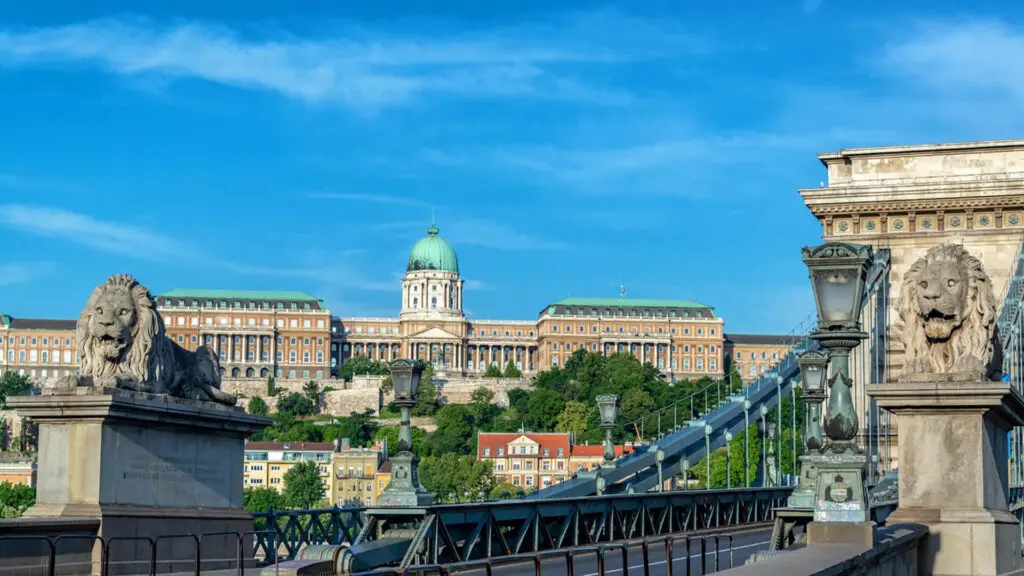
[[550, 440], [764, 339], [40, 324], [290, 446], [980, 145], [631, 302], [240, 294]]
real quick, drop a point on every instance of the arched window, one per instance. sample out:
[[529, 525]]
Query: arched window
[[264, 373], [249, 372], [235, 372]]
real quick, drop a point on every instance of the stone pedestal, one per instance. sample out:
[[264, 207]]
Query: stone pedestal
[[404, 490], [146, 466], [953, 471]]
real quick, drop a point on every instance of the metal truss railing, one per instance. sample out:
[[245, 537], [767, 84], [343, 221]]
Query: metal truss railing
[[283, 533], [464, 532]]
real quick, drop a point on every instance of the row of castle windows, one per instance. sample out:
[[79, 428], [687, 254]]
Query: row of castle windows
[[753, 355], [222, 321], [647, 330], [633, 313], [34, 356], [46, 341], [634, 348], [238, 305]]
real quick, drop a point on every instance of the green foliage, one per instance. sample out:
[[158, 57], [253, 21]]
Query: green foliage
[[271, 386], [13, 384], [573, 419], [390, 435], [635, 404], [258, 407], [261, 499], [296, 404], [451, 474], [362, 365], [482, 395], [492, 371], [720, 464], [455, 433], [426, 397], [360, 429], [302, 485], [15, 499], [311, 390], [511, 371], [543, 408]]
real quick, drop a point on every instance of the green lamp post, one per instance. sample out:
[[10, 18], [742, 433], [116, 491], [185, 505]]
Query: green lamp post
[[813, 374], [608, 406], [405, 489], [838, 274]]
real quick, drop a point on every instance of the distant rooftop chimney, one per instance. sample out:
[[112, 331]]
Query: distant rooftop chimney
[[622, 291], [335, 444]]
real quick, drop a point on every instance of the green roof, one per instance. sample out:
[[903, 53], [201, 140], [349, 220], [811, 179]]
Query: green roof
[[433, 253], [632, 302], [5, 319], [240, 295]]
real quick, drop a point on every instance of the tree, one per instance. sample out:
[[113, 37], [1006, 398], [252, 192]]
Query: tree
[[426, 397], [636, 403], [303, 488], [13, 384], [15, 499], [295, 403], [271, 386], [311, 390], [446, 474], [544, 407], [511, 371], [454, 433], [261, 499], [360, 364], [720, 465], [360, 429], [482, 395], [573, 419], [389, 434], [492, 371], [258, 407]]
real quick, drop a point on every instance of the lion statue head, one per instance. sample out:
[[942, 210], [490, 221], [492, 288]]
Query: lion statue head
[[948, 309], [117, 329]]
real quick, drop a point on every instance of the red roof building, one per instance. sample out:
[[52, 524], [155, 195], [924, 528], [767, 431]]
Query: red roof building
[[537, 460]]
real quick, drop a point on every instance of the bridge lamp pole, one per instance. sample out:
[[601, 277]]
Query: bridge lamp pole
[[746, 441], [405, 489], [686, 473], [728, 459], [608, 406], [838, 274], [762, 430], [707, 455], [813, 374]]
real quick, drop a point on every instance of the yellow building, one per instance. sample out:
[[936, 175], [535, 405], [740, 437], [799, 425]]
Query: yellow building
[[383, 476], [17, 469], [754, 354], [355, 475], [348, 474], [267, 462]]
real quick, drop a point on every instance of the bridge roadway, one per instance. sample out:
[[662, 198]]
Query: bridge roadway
[[638, 471]]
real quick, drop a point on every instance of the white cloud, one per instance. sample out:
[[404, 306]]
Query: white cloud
[[142, 244], [498, 236], [21, 272], [371, 198], [357, 68], [976, 58]]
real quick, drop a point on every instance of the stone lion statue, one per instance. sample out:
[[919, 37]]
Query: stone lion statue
[[122, 343], [948, 310]]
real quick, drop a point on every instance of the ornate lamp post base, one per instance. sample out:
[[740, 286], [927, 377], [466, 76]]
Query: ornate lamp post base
[[404, 489], [803, 495]]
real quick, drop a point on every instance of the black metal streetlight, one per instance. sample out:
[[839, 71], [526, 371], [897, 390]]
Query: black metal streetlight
[[405, 488], [608, 407], [814, 374], [838, 274]]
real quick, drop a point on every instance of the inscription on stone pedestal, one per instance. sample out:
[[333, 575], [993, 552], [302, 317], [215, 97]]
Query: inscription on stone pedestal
[[174, 469]]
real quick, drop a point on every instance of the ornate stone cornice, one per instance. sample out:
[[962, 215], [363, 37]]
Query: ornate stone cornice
[[917, 205]]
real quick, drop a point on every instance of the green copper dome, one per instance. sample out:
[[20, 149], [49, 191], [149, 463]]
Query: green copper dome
[[433, 253]]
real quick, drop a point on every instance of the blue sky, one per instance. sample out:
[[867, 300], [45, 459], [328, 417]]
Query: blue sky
[[565, 147]]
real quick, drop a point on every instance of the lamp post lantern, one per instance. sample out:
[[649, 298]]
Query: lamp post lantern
[[728, 459], [838, 273], [608, 406], [405, 489]]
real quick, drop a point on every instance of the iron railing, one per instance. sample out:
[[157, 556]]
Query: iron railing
[[285, 532]]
